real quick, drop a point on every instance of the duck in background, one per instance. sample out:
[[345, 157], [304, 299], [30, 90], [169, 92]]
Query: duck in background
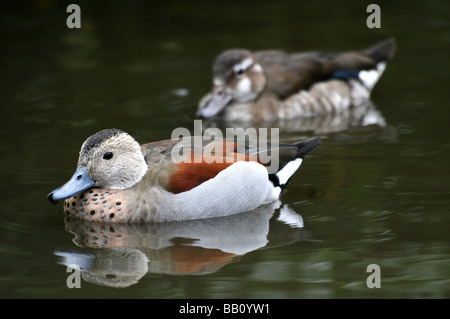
[[279, 86]]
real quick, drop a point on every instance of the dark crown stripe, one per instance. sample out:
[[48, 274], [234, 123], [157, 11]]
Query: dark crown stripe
[[100, 137]]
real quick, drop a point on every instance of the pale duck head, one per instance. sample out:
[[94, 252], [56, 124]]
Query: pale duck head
[[237, 78], [110, 159]]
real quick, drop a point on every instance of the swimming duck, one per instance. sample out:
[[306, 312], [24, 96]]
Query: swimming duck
[[118, 180], [270, 85]]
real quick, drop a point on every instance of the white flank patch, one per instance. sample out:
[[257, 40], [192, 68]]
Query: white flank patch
[[370, 77], [288, 170], [241, 187], [243, 65]]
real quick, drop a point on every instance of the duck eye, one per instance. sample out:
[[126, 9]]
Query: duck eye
[[107, 155], [240, 72]]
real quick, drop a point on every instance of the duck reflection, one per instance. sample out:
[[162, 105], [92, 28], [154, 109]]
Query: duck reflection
[[119, 255], [364, 114]]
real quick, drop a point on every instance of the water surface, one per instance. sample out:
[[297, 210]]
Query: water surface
[[369, 194]]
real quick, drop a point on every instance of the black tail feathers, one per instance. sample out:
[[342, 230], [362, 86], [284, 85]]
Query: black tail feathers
[[383, 50], [307, 146]]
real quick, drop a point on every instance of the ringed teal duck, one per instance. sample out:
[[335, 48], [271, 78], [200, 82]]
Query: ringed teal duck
[[270, 85], [118, 180]]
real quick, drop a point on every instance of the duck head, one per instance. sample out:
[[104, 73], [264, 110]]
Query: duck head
[[109, 159], [237, 78]]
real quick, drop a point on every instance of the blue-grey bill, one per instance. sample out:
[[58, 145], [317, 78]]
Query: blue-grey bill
[[215, 105], [79, 182]]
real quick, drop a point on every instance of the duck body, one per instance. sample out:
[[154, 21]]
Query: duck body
[[118, 180], [273, 84]]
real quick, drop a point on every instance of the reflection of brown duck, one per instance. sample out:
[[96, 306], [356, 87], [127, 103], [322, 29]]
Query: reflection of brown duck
[[363, 115]]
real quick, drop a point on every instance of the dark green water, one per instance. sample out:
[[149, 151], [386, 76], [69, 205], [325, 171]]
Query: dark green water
[[367, 195]]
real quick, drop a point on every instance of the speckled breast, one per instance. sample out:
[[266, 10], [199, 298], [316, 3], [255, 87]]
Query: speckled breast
[[96, 204]]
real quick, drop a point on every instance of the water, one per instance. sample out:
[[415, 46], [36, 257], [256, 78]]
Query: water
[[377, 194]]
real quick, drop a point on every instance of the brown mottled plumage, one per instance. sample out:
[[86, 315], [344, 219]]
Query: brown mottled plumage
[[268, 85]]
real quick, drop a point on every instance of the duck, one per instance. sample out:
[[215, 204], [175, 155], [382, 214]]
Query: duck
[[274, 85], [118, 180]]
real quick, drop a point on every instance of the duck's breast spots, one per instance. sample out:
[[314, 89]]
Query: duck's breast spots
[[100, 205]]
